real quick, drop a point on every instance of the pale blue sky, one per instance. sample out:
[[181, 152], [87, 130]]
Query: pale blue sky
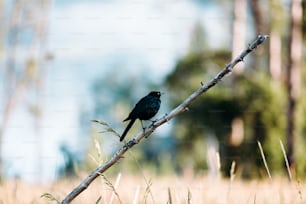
[[86, 38]]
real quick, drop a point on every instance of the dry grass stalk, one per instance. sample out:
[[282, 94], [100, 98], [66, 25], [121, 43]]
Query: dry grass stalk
[[286, 160], [264, 159]]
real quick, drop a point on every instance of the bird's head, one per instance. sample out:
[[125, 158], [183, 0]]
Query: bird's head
[[155, 93]]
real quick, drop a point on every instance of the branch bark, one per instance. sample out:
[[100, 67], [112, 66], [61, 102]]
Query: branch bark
[[179, 109]]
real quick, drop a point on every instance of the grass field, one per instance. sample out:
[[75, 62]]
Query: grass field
[[170, 189]]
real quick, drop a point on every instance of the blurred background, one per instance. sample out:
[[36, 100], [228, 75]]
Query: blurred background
[[65, 63]]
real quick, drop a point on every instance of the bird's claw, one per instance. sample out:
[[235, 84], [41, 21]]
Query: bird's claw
[[154, 121]]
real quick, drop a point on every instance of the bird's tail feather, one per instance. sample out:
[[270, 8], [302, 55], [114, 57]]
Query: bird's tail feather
[[127, 129]]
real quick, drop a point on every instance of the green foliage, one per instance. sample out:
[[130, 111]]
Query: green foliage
[[252, 97]]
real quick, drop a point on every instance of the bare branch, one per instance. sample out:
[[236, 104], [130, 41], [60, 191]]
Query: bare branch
[[179, 109]]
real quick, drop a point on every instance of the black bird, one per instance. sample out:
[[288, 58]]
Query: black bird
[[145, 109]]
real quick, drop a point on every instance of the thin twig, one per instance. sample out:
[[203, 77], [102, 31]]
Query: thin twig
[[179, 109]]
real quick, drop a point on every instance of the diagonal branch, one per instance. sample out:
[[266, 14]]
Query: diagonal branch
[[179, 109]]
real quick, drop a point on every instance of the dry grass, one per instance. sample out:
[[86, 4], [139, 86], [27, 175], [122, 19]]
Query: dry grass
[[142, 188], [133, 189]]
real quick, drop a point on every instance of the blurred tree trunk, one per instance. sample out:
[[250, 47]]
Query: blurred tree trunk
[[238, 43], [24, 64], [293, 81], [261, 26], [277, 24], [304, 20], [239, 31], [2, 29], [257, 11]]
